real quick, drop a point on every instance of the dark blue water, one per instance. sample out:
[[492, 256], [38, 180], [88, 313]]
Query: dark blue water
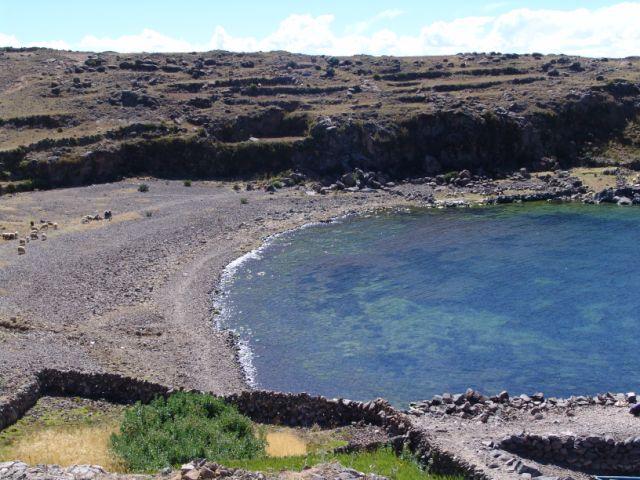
[[404, 306]]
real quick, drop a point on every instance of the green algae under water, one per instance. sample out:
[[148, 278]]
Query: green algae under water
[[404, 306]]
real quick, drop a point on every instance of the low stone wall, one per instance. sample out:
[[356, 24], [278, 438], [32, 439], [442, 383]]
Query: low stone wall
[[14, 407], [291, 409], [593, 454]]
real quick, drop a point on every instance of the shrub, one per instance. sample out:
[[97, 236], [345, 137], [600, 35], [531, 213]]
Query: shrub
[[171, 431], [143, 187], [187, 183], [236, 187], [376, 76], [244, 201], [10, 188], [25, 186], [450, 176], [333, 61], [330, 72]]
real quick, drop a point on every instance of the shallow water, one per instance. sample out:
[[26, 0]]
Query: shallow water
[[525, 297]]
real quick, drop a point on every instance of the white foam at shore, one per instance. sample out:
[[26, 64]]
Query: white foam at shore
[[221, 321]]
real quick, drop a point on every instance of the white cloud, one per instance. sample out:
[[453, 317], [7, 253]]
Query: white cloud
[[609, 31], [146, 41], [12, 41], [9, 40]]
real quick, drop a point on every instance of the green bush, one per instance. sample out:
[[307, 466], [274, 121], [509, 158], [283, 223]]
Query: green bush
[[333, 61], [187, 183], [450, 176], [168, 432], [244, 201], [143, 187]]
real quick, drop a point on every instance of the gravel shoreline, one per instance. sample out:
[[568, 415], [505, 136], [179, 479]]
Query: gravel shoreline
[[133, 296]]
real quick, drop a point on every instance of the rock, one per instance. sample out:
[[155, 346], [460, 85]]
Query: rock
[[191, 475], [349, 179], [200, 102], [503, 396], [624, 201], [129, 98], [139, 65], [635, 409]]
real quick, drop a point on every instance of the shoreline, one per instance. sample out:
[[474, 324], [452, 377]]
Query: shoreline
[[170, 333], [242, 344], [155, 318]]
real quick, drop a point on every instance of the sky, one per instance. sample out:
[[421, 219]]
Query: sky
[[332, 27]]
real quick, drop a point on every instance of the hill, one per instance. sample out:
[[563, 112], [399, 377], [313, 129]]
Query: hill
[[69, 118]]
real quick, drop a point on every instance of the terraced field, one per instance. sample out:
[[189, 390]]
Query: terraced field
[[73, 117]]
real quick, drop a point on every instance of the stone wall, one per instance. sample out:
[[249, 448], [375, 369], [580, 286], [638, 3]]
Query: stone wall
[[594, 454], [291, 409]]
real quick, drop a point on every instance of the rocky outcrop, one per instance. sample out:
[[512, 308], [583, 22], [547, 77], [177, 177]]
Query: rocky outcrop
[[491, 140]]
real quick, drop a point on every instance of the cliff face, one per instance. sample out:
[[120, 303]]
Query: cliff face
[[490, 141], [70, 118]]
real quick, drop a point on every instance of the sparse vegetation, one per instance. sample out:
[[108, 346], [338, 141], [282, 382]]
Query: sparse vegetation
[[244, 201], [77, 431], [184, 426], [381, 462], [143, 187], [187, 183]]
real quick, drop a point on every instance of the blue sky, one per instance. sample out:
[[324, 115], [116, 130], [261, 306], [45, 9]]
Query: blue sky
[[328, 26]]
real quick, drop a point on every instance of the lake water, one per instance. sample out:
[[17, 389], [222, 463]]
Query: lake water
[[525, 298]]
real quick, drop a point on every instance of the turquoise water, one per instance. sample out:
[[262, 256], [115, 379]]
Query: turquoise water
[[525, 298]]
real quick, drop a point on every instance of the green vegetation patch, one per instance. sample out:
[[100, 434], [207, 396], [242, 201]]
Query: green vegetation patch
[[381, 462], [168, 432]]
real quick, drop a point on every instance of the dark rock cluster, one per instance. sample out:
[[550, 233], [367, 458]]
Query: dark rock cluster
[[473, 404], [626, 195]]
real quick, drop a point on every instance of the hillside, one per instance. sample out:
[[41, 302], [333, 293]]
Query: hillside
[[69, 118]]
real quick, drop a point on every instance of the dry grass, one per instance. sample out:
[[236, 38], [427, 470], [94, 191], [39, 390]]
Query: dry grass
[[65, 446], [285, 443]]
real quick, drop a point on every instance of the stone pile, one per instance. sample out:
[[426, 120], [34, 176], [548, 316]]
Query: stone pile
[[203, 470], [16, 470], [473, 404], [626, 195], [357, 180], [597, 454]]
